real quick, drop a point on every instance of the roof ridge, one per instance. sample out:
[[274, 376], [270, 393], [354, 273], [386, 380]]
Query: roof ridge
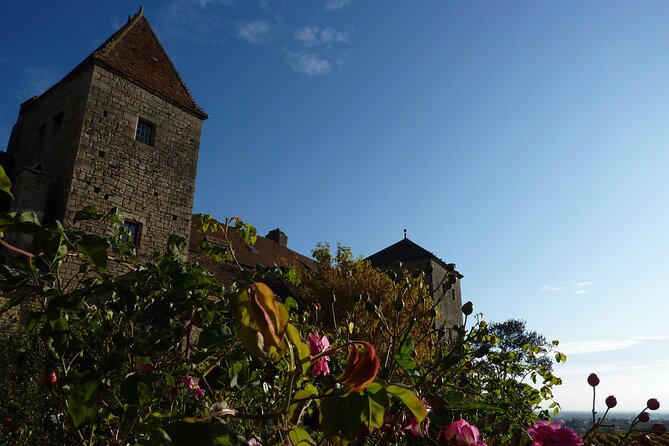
[[176, 71], [108, 44]]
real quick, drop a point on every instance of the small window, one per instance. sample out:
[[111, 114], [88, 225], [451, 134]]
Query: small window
[[146, 132], [134, 231], [57, 123]]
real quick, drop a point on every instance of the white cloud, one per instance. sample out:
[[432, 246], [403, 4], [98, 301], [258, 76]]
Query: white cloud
[[189, 19], [333, 5], [308, 63], [549, 288], [605, 345], [255, 32], [574, 288], [313, 36]]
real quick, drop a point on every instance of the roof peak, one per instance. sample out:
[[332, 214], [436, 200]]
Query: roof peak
[[135, 51]]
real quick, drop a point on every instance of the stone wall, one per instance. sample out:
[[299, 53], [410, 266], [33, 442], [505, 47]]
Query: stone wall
[[450, 306], [46, 137], [152, 185]]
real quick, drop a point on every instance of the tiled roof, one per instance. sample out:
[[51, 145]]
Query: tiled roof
[[135, 51], [404, 250], [265, 252]]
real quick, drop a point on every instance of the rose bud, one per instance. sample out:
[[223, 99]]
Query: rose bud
[[644, 417], [611, 401], [49, 378], [653, 404], [593, 380], [659, 427]]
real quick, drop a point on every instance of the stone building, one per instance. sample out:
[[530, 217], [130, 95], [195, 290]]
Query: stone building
[[120, 130], [414, 257]]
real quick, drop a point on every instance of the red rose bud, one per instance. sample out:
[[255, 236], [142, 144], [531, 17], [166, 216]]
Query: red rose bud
[[644, 440], [644, 417], [361, 368], [593, 380], [8, 422], [49, 378], [611, 401], [659, 427], [653, 404]]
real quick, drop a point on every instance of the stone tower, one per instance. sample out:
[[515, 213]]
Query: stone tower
[[413, 257], [120, 130]]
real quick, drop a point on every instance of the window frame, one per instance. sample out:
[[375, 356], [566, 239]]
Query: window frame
[[144, 125], [136, 236]]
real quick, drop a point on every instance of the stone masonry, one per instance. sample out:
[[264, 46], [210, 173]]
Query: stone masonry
[[78, 143]]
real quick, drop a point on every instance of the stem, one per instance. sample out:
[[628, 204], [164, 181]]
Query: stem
[[594, 392], [629, 431]]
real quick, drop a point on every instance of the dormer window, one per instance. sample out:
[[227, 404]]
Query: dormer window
[[146, 132]]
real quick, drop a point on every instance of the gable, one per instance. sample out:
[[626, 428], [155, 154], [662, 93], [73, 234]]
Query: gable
[[135, 51]]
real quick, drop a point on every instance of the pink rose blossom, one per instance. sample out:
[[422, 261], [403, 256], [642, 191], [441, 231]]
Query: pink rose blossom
[[193, 386], [545, 433], [463, 433], [318, 345]]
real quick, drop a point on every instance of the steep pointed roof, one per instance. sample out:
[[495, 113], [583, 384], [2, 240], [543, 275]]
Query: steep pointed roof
[[404, 250], [135, 51]]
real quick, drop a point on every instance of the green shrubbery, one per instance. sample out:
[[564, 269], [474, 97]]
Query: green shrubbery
[[161, 353]]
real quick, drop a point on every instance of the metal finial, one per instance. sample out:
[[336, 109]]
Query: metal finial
[[405, 233], [141, 10]]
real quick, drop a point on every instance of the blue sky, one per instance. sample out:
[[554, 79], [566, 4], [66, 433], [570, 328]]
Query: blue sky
[[525, 141]]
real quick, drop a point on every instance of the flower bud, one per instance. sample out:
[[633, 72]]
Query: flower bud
[[653, 404], [659, 427], [593, 380], [644, 417], [644, 440], [468, 308], [611, 401]]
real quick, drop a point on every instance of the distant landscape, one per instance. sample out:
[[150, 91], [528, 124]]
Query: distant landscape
[[581, 421]]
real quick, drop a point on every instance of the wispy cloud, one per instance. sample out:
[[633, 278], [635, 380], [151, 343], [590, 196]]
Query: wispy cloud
[[333, 5], [190, 19], [314, 36], [606, 345], [574, 288], [255, 32], [36, 80], [309, 63]]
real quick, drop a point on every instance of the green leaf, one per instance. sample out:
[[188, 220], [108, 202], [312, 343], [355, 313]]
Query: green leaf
[[291, 304], [137, 389], [340, 417], [302, 348], [300, 437], [376, 406], [410, 400], [87, 213], [190, 431], [300, 401], [403, 357], [82, 404], [95, 248], [5, 184]]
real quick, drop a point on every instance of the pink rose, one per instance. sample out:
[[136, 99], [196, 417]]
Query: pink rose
[[318, 345], [463, 433], [545, 433]]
